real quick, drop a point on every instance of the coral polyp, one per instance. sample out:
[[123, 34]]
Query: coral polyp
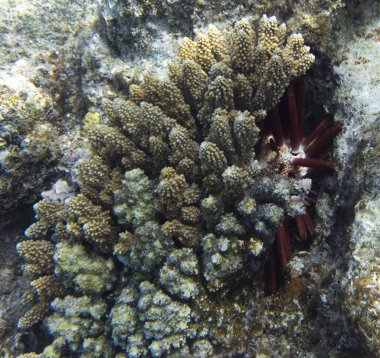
[[181, 195]]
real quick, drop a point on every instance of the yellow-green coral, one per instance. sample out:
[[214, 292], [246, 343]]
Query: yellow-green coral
[[90, 274], [77, 324], [134, 200]]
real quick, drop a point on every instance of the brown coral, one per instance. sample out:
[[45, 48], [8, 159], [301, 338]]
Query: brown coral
[[34, 315], [38, 256]]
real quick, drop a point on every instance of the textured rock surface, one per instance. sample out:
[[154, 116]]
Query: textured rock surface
[[13, 289], [33, 89], [362, 286], [358, 153], [30, 27]]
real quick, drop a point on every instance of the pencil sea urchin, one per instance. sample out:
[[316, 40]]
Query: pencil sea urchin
[[296, 157]]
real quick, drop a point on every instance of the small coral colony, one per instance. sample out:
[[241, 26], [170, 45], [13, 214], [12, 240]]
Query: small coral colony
[[190, 194]]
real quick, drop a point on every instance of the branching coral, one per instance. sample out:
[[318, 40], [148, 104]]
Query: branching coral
[[38, 256], [89, 274], [136, 199], [202, 196], [179, 274], [77, 323]]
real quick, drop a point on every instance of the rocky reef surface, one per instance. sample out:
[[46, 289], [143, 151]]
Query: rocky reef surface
[[156, 201], [358, 152]]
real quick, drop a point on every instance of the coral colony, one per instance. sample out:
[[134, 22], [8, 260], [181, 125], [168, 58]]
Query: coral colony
[[186, 196]]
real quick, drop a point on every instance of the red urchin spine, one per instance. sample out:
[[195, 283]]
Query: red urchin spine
[[294, 134], [325, 138], [276, 123], [317, 154]]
